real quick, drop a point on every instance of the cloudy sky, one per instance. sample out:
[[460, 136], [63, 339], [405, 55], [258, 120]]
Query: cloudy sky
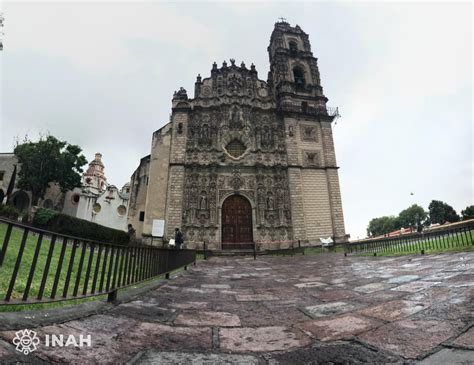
[[102, 74]]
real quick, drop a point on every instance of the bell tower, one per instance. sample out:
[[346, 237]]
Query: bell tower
[[301, 104]]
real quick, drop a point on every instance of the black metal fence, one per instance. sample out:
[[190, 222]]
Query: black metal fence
[[455, 235], [41, 266]]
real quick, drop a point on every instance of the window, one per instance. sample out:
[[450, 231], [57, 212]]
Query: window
[[298, 75], [75, 198], [121, 210], [2, 174], [142, 216], [235, 148], [96, 208], [304, 106], [293, 48]]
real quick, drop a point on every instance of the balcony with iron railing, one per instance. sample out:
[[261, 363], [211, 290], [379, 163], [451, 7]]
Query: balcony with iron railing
[[303, 107]]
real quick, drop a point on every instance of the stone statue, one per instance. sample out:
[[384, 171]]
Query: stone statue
[[203, 202]]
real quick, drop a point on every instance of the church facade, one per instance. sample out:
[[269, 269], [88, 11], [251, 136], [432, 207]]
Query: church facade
[[245, 160]]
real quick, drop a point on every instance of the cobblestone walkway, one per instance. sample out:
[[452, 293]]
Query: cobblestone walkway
[[286, 310]]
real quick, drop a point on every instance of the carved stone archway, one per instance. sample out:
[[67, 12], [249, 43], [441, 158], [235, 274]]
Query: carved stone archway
[[236, 222]]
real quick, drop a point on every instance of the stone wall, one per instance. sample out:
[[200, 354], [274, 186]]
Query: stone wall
[[155, 206], [174, 205], [138, 195]]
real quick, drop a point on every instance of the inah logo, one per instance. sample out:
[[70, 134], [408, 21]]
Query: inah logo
[[26, 341]]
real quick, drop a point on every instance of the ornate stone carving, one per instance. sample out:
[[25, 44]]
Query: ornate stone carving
[[312, 158], [308, 132], [236, 180]]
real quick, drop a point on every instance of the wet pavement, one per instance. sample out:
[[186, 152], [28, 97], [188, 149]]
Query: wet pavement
[[285, 310]]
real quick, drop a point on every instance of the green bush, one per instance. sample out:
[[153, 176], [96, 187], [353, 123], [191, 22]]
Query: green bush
[[72, 226], [8, 211], [43, 216]]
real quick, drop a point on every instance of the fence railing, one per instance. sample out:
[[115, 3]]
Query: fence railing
[[456, 235], [42, 266], [291, 106]]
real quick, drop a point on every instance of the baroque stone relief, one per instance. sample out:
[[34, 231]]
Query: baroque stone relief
[[308, 132], [312, 158]]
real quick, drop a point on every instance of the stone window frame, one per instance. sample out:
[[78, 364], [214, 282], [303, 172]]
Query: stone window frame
[[229, 138], [303, 135]]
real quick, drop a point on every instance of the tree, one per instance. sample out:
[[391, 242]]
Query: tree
[[412, 217], [48, 161], [468, 213], [440, 212], [382, 225]]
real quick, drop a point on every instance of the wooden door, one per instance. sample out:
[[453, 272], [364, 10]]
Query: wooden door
[[236, 220]]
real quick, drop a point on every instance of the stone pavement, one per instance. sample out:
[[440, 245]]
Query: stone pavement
[[286, 310]]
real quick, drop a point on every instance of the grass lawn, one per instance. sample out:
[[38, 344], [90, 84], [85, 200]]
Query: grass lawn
[[9, 261], [7, 268]]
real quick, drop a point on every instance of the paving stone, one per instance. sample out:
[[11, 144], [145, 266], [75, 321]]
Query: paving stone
[[339, 353], [189, 305], [313, 284], [335, 295], [145, 311], [458, 309], [415, 286], [402, 279], [261, 339], [371, 288], [272, 312], [466, 339], [311, 278], [449, 356], [338, 328], [410, 338], [199, 291], [440, 276], [255, 297], [215, 286], [391, 311], [329, 309], [198, 318], [155, 335], [156, 357]]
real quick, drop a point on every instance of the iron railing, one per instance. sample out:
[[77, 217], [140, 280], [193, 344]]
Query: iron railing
[[455, 235], [291, 106], [41, 266]]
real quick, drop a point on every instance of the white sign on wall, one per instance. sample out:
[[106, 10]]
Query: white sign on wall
[[158, 227]]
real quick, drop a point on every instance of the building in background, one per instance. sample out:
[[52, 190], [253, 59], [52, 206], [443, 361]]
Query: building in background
[[95, 201], [246, 160]]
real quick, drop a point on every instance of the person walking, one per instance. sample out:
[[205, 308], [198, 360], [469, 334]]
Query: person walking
[[178, 238]]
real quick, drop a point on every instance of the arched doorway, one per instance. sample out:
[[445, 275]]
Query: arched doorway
[[21, 201], [236, 223]]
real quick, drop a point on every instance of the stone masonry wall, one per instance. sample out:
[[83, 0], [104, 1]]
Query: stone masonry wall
[[174, 206], [316, 203], [297, 207], [336, 203], [158, 177]]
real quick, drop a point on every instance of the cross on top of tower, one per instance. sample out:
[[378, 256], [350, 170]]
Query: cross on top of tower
[[282, 20]]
